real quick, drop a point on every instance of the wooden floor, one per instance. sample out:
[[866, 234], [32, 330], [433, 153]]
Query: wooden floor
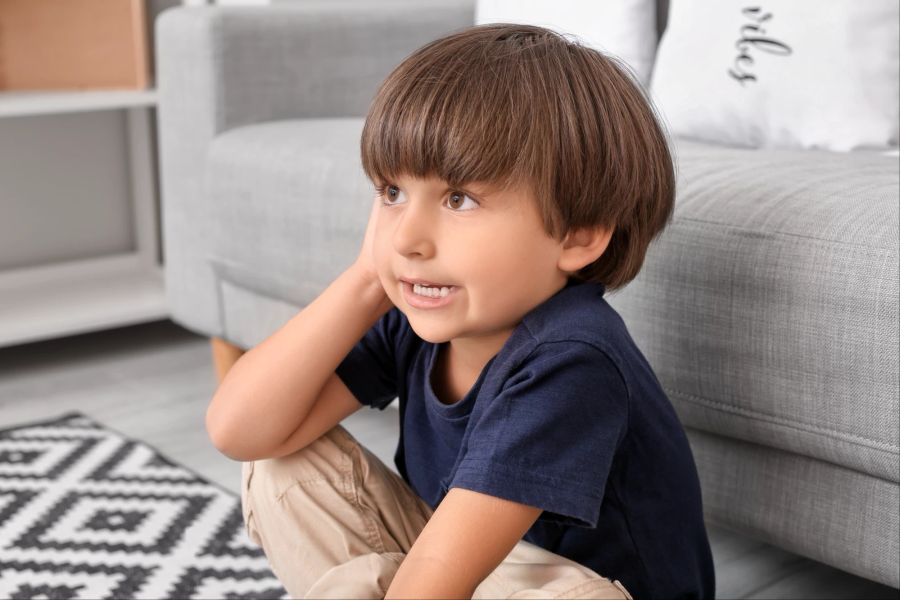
[[153, 382]]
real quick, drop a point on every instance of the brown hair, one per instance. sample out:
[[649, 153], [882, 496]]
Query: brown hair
[[503, 103]]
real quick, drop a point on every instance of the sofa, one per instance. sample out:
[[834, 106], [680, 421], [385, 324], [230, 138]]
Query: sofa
[[768, 308]]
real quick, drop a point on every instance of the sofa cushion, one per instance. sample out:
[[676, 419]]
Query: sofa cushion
[[769, 307], [293, 203]]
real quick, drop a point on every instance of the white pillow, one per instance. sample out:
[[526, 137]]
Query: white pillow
[[624, 28], [798, 74]]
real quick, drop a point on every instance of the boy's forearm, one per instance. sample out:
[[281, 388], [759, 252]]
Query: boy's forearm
[[269, 391], [422, 579]]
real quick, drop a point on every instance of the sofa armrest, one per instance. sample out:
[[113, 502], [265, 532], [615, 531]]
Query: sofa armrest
[[221, 67]]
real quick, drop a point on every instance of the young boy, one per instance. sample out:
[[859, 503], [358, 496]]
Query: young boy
[[519, 176]]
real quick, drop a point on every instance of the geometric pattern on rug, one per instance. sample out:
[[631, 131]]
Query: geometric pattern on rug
[[86, 512]]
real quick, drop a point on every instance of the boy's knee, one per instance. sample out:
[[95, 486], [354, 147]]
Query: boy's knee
[[328, 458]]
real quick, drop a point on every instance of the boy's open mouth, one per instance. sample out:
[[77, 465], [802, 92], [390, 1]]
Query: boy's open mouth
[[427, 296], [432, 291], [424, 285]]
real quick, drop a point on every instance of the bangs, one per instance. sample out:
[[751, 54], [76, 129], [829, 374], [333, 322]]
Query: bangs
[[456, 111]]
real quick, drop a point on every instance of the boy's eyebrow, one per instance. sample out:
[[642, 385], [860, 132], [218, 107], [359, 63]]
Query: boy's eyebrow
[[481, 191], [480, 188], [483, 188]]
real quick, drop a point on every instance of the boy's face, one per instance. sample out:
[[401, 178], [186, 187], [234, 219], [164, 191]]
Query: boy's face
[[490, 246]]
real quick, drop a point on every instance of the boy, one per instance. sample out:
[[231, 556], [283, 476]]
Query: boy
[[519, 176]]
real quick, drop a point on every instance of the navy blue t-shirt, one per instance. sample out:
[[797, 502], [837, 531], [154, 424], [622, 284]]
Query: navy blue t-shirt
[[568, 417]]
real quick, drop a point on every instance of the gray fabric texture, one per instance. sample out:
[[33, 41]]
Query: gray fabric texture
[[769, 306], [292, 203], [835, 515]]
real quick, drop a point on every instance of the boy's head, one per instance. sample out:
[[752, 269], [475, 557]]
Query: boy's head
[[509, 155]]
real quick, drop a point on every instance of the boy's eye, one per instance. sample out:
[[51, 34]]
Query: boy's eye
[[460, 197], [456, 200], [389, 192]]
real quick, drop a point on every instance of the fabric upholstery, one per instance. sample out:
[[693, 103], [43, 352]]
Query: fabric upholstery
[[769, 307], [832, 514], [292, 203]]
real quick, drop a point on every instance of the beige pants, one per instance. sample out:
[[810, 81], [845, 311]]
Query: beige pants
[[335, 522]]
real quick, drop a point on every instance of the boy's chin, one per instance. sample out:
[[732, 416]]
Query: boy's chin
[[432, 335]]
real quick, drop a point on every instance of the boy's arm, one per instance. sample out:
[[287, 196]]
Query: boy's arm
[[465, 539], [270, 390]]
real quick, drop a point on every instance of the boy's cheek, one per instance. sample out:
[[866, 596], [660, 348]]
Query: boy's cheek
[[379, 256]]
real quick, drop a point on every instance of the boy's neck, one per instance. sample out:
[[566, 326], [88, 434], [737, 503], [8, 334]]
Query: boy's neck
[[456, 371], [467, 356]]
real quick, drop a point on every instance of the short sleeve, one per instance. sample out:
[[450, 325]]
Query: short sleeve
[[548, 439], [370, 368]]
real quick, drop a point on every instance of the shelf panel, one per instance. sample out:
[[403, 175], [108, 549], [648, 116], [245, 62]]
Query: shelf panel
[[21, 104], [80, 296]]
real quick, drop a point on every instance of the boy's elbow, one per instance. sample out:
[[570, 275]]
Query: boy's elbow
[[222, 438], [227, 446], [235, 440]]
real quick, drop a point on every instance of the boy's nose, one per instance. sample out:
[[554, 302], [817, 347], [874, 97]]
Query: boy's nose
[[413, 234]]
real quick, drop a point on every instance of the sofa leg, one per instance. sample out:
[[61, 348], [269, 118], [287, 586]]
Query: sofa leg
[[225, 355]]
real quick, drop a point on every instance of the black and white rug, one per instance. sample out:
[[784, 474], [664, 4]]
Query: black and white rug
[[86, 512]]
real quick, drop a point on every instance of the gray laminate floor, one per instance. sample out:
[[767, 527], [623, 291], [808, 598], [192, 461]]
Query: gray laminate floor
[[153, 382]]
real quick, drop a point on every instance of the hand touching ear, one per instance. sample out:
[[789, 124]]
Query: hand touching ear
[[365, 262]]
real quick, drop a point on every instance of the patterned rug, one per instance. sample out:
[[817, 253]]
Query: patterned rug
[[86, 512]]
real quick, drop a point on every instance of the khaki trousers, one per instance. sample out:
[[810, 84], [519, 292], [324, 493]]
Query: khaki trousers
[[335, 522]]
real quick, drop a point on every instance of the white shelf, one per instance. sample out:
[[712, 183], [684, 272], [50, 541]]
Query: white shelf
[[71, 297], [46, 302], [20, 104]]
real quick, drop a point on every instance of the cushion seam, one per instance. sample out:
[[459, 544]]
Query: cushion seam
[[717, 225], [806, 427]]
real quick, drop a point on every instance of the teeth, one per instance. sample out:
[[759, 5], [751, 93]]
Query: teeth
[[431, 292]]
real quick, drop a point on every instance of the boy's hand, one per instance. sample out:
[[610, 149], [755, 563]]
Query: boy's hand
[[365, 262]]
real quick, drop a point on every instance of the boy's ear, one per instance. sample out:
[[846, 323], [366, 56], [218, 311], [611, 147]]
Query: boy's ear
[[583, 246]]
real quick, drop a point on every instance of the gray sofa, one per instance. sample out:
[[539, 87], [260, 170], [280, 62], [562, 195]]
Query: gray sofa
[[768, 309]]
